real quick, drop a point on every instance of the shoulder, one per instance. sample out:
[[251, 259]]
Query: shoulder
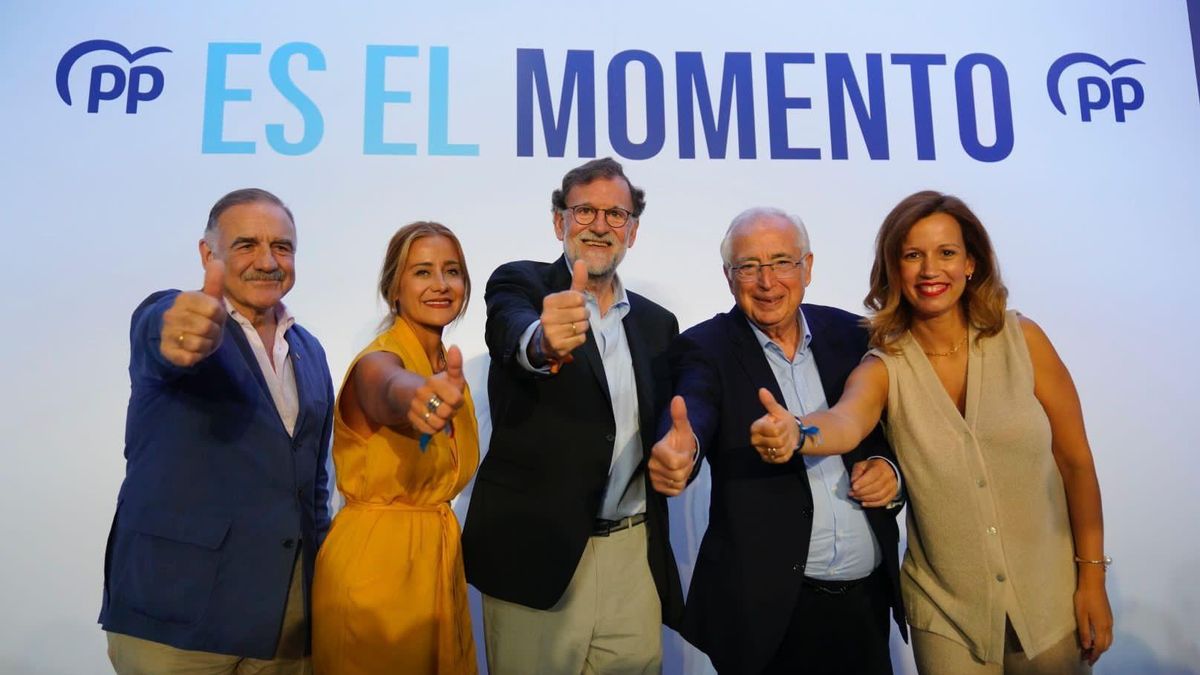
[[1036, 339], [644, 305], [832, 316], [157, 300]]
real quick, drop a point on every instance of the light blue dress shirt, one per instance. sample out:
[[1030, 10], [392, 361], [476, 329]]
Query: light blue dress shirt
[[625, 494], [842, 546]]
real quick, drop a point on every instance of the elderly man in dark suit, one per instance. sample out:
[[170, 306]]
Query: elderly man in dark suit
[[567, 544], [224, 502], [798, 569]]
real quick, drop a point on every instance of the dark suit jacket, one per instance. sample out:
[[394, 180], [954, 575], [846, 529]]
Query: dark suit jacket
[[216, 494], [539, 488], [747, 577]]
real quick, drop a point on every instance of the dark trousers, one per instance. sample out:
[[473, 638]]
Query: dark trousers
[[838, 629]]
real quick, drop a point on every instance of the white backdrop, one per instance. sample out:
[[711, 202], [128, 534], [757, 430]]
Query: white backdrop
[[1095, 222]]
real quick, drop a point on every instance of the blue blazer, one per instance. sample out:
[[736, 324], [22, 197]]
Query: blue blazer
[[746, 581], [217, 497]]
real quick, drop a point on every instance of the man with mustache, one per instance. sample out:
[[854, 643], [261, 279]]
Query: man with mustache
[[225, 499], [567, 544]]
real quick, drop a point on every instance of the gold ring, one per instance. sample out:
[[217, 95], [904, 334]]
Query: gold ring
[[179, 339], [432, 404], [771, 452], [574, 330], [425, 415]]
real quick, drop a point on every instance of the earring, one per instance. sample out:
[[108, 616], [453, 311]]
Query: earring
[[969, 276]]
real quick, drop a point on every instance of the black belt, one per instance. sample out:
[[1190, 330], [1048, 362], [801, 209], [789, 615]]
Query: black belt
[[837, 587], [603, 528]]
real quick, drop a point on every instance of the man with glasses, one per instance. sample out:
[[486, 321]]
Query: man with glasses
[[798, 568], [567, 544]]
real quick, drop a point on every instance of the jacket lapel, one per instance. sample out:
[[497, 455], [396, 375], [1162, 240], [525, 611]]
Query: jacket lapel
[[749, 355], [642, 371], [587, 355]]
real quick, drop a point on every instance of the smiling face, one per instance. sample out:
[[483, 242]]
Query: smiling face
[[600, 246], [934, 266], [768, 300], [430, 288], [257, 243]]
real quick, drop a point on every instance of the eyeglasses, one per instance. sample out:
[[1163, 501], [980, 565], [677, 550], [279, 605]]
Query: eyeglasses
[[585, 214], [784, 269]]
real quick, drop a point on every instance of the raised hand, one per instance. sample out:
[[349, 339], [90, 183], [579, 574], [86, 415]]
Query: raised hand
[[873, 482], [672, 456], [775, 435], [191, 326], [437, 400], [565, 317]]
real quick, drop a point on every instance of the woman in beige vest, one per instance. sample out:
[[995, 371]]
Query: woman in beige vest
[[1005, 566]]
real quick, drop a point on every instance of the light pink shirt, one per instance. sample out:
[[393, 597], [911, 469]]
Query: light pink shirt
[[280, 378]]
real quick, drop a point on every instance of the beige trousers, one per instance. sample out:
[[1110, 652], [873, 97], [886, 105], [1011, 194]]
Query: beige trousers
[[608, 621], [135, 656], [935, 655]]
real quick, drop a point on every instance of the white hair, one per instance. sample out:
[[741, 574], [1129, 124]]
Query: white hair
[[751, 215]]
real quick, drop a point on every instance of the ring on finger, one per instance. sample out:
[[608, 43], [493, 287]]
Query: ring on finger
[[425, 415], [179, 340], [772, 452], [574, 330], [433, 403]]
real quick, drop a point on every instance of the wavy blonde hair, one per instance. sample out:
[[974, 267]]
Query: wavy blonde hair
[[397, 257], [889, 314]]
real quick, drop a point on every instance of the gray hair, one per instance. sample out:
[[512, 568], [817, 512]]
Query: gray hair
[[749, 216], [237, 198]]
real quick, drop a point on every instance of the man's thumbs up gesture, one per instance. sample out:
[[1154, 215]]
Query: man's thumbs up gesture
[[672, 456], [565, 317], [191, 327], [775, 435]]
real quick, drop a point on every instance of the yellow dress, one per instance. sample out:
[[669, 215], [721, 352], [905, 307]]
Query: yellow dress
[[389, 594]]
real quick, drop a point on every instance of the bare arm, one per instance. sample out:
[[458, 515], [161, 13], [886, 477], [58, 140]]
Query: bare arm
[[1056, 392], [854, 415], [386, 394]]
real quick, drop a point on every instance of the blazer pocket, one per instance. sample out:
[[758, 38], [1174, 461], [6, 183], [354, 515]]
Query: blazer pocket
[[167, 562]]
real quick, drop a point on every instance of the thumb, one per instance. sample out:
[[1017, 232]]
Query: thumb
[[769, 402], [214, 278], [580, 278], [454, 364], [679, 418], [857, 470]]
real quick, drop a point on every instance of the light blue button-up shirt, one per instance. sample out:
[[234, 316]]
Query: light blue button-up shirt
[[625, 494], [841, 546]]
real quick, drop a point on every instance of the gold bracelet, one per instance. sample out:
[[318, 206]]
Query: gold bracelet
[[1105, 560]]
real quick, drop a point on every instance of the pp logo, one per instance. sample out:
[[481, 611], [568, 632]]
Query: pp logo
[[1096, 93], [108, 82]]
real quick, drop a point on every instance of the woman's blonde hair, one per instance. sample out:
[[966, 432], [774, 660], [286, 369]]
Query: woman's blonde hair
[[985, 298], [397, 256]]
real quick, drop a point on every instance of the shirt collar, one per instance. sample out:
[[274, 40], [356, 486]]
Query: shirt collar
[[620, 298], [283, 317], [767, 343]]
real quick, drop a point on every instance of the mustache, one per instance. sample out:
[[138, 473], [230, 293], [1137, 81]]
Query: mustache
[[608, 238], [252, 275]]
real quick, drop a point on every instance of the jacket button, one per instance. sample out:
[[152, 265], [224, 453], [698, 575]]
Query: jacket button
[[288, 543], [610, 438], [798, 567]]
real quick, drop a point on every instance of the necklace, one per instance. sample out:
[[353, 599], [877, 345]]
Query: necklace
[[952, 352]]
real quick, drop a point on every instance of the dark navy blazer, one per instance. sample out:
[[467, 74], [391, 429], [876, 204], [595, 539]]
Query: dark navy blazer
[[217, 497], [746, 581]]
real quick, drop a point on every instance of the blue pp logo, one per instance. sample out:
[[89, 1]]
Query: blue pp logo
[[109, 82], [1097, 93]]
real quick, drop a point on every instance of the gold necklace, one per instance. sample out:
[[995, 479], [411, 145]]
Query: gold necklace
[[952, 352]]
